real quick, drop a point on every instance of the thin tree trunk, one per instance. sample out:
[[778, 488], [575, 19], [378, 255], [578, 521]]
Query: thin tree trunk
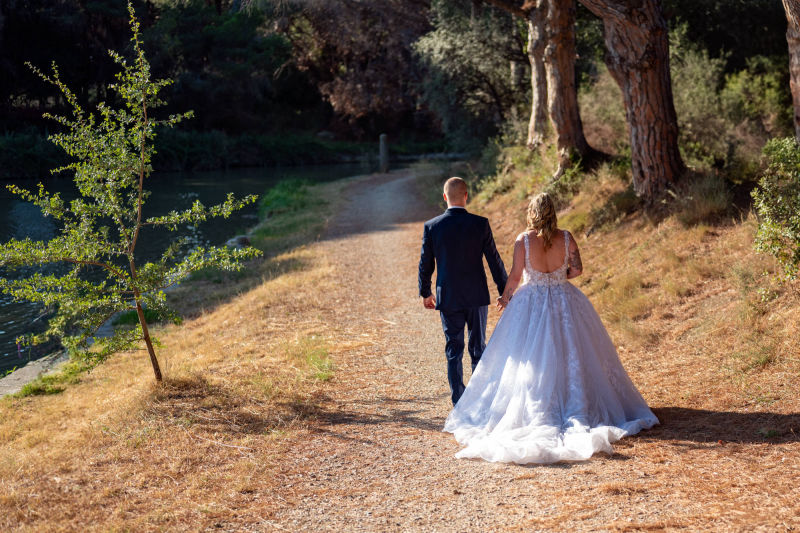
[[146, 335], [792, 8], [637, 55], [136, 294], [537, 127], [562, 95]]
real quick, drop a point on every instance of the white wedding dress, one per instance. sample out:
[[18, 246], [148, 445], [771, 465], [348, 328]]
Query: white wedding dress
[[550, 386]]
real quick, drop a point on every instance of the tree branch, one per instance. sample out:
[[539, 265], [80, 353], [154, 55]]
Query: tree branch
[[605, 8], [95, 263]]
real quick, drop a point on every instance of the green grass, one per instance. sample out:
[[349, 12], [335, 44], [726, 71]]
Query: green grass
[[131, 318], [288, 196], [757, 357], [311, 352], [321, 364], [56, 382], [293, 212], [575, 220], [216, 275], [768, 433]]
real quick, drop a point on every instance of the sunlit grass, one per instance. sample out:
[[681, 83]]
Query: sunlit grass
[[682, 286], [247, 363]]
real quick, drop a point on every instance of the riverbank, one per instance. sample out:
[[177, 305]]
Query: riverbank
[[43, 375], [247, 370], [13, 382], [169, 191], [29, 155]]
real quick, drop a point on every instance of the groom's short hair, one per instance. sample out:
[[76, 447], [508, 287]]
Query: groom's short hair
[[455, 187]]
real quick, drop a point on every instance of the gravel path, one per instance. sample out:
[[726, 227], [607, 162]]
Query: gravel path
[[375, 458]]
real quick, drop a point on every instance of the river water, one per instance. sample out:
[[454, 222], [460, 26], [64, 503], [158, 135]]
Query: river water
[[19, 219]]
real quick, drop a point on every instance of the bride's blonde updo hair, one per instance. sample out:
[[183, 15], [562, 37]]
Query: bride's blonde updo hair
[[542, 217]]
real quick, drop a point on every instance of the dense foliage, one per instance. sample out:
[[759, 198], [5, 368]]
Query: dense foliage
[[478, 75], [358, 55], [111, 151], [264, 67], [777, 201]]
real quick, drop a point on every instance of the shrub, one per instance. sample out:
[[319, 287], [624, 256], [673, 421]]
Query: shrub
[[759, 94], [696, 80], [777, 202], [617, 206], [27, 155], [725, 120], [603, 110]]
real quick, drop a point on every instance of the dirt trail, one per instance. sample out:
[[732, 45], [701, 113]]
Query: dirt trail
[[375, 458]]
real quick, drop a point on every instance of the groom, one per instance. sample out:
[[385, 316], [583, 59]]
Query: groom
[[455, 243]]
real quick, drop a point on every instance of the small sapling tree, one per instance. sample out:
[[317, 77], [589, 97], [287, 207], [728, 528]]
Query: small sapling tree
[[98, 231]]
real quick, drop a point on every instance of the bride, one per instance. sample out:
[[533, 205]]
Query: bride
[[549, 386]]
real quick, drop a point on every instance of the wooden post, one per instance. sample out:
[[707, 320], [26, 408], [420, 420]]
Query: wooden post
[[384, 153]]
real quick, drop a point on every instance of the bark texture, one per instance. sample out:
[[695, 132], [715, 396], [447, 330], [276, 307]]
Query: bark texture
[[537, 127], [551, 51], [562, 95], [792, 8], [637, 55]]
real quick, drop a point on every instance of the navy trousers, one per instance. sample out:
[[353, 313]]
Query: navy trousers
[[453, 323]]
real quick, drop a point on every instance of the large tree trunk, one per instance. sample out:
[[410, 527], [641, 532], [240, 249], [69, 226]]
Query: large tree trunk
[[537, 127], [559, 60], [637, 55], [792, 8], [558, 30]]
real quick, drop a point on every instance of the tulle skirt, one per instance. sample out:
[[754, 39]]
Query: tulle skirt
[[549, 387]]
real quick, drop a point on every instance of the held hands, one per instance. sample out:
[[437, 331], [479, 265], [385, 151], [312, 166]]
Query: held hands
[[429, 302], [502, 302]]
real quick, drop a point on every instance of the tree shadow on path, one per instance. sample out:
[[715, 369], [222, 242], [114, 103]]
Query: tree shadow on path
[[388, 412], [703, 426]]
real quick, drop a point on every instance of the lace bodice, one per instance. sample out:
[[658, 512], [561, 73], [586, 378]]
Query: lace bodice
[[531, 276]]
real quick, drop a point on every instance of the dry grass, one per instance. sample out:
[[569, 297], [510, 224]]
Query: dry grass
[[118, 452], [698, 292], [711, 340], [253, 431]]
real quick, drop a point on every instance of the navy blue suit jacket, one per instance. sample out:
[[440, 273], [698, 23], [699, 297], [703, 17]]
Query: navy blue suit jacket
[[455, 243]]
